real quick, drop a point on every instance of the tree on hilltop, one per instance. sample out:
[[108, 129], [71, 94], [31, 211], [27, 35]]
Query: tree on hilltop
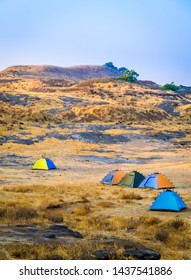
[[122, 69], [110, 65], [130, 75]]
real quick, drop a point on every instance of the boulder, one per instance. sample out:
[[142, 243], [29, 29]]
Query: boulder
[[104, 254], [57, 219], [142, 254], [63, 230]]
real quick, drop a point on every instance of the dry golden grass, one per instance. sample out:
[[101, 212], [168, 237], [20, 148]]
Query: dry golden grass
[[168, 235], [72, 194], [162, 235], [130, 196], [79, 251], [124, 103], [105, 204], [13, 215], [80, 212], [150, 220]]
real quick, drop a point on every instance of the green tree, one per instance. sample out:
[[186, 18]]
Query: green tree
[[170, 86], [110, 65], [122, 69], [130, 75]]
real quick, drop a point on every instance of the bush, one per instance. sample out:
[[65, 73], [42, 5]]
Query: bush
[[184, 243], [25, 213], [130, 75], [81, 210], [105, 204], [150, 221], [171, 86], [2, 213], [162, 235], [130, 195], [178, 223], [11, 214]]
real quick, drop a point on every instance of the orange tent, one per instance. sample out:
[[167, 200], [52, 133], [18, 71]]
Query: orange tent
[[156, 181], [113, 178]]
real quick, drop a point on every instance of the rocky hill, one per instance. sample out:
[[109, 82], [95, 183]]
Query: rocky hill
[[75, 73], [89, 127], [49, 95]]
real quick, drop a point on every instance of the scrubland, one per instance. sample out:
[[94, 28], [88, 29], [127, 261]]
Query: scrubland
[[88, 129]]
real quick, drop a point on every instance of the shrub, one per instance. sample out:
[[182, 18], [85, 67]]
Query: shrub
[[25, 213], [100, 223], [18, 189], [162, 235], [130, 195], [81, 210], [147, 220], [171, 86], [127, 223], [105, 204], [130, 75], [184, 243], [2, 212], [178, 223]]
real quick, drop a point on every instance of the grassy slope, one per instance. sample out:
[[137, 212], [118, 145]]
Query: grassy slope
[[86, 206]]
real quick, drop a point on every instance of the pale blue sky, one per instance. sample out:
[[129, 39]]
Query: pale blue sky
[[151, 36]]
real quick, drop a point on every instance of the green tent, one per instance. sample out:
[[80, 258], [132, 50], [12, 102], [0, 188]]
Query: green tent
[[132, 179]]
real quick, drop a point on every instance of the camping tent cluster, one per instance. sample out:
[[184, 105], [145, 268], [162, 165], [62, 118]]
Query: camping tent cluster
[[168, 200], [118, 177], [136, 180]]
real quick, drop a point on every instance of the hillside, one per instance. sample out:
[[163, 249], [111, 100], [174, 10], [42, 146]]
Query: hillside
[[106, 100], [89, 127], [75, 73]]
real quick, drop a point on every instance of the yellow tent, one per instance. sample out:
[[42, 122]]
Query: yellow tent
[[44, 164]]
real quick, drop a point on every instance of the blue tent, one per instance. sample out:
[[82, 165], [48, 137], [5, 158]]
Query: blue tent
[[113, 178], [108, 178], [168, 200], [156, 181]]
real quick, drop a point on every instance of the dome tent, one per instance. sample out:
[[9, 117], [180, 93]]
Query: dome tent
[[168, 200], [132, 179], [44, 164], [156, 181], [113, 178]]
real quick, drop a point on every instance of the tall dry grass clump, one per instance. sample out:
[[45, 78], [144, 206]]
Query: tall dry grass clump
[[82, 210], [149, 220], [162, 235], [178, 224], [130, 196], [17, 215]]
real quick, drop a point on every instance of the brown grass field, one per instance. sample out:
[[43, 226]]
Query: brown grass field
[[88, 129]]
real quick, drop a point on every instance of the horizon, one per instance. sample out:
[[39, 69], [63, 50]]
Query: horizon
[[148, 36], [73, 66]]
